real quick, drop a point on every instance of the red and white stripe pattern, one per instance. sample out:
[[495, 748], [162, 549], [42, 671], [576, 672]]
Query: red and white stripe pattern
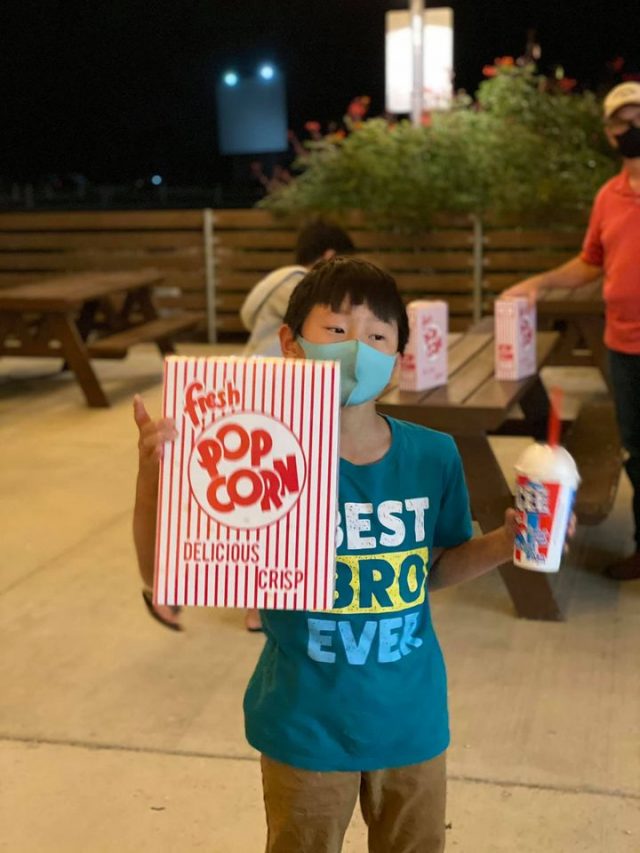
[[296, 564], [515, 358]]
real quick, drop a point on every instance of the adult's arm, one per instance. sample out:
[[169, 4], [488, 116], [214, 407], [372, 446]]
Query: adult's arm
[[573, 274]]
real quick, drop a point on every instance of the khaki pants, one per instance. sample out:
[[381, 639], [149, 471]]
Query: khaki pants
[[308, 812]]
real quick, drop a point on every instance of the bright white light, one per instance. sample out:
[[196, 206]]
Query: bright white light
[[438, 60], [230, 78], [156, 180], [267, 72]]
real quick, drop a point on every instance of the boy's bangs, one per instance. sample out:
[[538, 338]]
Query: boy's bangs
[[371, 290]]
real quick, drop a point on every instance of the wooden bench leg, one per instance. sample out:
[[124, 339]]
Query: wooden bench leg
[[592, 331], [535, 407], [150, 312], [531, 592], [76, 356]]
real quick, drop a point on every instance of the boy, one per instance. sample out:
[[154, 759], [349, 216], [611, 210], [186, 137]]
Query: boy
[[352, 702]]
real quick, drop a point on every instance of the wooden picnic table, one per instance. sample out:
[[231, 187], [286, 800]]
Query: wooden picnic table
[[83, 316], [579, 314], [472, 405]]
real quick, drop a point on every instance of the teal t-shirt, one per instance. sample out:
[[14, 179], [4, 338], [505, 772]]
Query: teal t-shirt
[[363, 686]]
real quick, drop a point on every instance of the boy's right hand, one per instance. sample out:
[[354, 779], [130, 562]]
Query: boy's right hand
[[152, 436]]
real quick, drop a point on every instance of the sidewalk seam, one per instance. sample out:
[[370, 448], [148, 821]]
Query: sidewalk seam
[[186, 753]]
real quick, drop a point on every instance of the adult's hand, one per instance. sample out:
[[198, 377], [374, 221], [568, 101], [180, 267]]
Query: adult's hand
[[530, 288]]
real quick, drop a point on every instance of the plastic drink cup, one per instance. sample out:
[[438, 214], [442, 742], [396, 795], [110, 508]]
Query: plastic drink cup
[[546, 483]]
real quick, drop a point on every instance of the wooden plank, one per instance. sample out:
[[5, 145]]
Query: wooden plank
[[465, 349], [286, 239], [183, 281], [67, 292], [529, 238], [230, 301], [183, 301], [250, 218], [76, 356], [461, 350], [65, 241], [91, 220], [524, 261], [466, 380], [229, 323], [256, 218], [233, 261], [414, 283], [117, 345], [422, 260], [494, 393], [189, 259], [496, 282], [454, 239], [265, 261]]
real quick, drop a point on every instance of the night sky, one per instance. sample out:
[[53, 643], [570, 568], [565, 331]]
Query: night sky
[[121, 89]]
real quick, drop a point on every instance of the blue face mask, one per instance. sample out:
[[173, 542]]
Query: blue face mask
[[364, 371]]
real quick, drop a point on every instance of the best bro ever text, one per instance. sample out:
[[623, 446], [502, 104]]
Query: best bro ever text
[[375, 583]]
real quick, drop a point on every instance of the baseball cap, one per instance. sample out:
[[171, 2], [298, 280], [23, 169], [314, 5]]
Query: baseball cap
[[620, 96]]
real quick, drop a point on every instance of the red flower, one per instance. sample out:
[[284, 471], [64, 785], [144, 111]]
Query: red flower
[[312, 126], [566, 84], [489, 71]]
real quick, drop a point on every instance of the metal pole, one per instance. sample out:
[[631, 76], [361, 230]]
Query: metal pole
[[478, 267], [416, 9], [209, 274]]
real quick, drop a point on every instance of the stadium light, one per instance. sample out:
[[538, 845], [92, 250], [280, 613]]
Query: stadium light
[[267, 72]]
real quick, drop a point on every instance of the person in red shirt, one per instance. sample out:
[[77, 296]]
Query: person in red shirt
[[612, 248]]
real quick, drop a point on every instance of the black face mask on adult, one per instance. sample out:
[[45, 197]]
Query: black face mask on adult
[[629, 142]]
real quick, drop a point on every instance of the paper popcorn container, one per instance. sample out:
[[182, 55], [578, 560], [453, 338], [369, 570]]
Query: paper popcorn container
[[248, 491], [546, 482], [424, 362], [515, 338]]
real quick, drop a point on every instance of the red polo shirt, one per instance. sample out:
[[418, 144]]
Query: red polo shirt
[[612, 242]]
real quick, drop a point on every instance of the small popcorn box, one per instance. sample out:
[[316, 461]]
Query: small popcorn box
[[248, 491], [515, 338], [424, 362]]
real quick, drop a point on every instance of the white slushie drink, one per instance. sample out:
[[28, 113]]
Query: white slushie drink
[[546, 482]]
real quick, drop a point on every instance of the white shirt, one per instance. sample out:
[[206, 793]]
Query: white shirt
[[264, 308]]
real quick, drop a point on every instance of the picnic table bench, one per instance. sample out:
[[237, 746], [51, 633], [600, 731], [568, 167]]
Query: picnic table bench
[[470, 406], [593, 440], [473, 405], [83, 316], [579, 314]]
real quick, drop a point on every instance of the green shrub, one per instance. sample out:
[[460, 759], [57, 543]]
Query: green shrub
[[522, 148]]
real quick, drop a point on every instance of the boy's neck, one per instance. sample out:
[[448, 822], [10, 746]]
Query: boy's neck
[[365, 436]]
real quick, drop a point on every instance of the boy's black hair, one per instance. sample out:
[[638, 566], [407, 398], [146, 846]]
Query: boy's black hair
[[363, 283], [317, 237]]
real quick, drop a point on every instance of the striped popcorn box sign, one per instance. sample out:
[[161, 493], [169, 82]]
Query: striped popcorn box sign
[[248, 492], [424, 362], [515, 338]]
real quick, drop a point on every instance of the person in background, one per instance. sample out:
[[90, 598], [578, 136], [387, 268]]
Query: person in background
[[612, 246], [265, 306]]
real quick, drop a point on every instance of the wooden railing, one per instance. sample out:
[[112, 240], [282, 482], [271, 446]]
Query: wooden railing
[[212, 258]]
